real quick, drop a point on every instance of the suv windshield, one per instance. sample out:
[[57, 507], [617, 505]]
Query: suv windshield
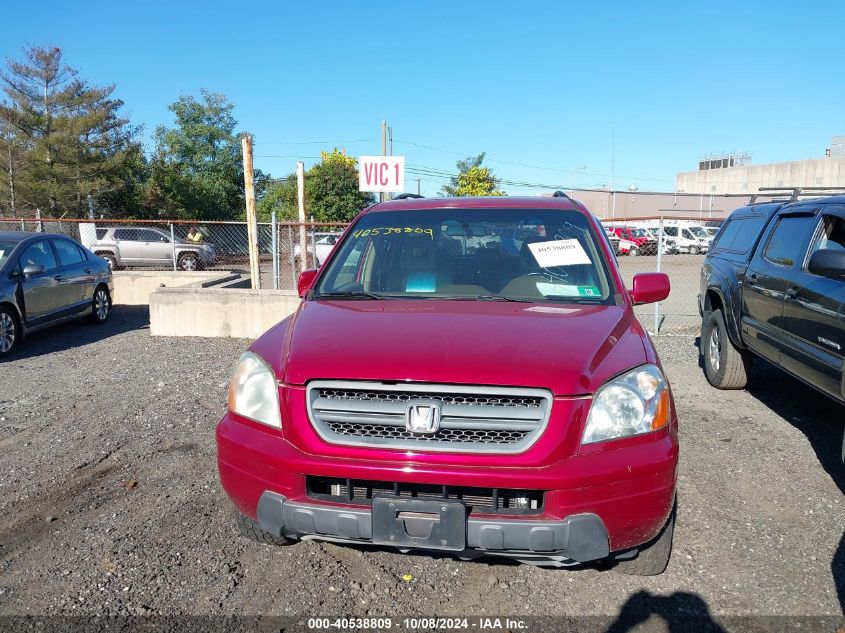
[[495, 254]]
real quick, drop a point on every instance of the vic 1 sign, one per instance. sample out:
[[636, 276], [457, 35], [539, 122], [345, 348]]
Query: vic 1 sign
[[381, 173]]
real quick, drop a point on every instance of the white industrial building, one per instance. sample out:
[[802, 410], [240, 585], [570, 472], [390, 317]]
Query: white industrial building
[[734, 173]]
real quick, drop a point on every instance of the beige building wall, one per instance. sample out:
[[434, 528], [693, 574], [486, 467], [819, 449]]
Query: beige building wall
[[818, 172], [627, 205]]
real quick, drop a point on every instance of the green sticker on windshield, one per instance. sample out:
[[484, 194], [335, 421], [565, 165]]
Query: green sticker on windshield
[[588, 291]]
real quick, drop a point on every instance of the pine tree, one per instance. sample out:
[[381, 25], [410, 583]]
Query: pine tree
[[68, 132]]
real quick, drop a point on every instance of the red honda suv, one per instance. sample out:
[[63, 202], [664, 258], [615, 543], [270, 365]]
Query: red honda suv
[[462, 374]]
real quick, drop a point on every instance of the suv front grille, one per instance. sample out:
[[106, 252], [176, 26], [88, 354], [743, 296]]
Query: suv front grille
[[473, 419], [481, 500]]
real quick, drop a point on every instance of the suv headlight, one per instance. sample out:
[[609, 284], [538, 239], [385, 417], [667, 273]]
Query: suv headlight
[[631, 404], [254, 392]]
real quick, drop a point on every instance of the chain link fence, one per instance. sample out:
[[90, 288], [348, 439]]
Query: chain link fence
[[186, 246], [676, 246]]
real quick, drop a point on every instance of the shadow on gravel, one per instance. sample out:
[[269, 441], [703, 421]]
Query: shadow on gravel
[[817, 417], [821, 420], [83, 332], [682, 612]]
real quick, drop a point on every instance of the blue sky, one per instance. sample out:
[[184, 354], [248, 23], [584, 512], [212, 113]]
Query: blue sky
[[539, 86]]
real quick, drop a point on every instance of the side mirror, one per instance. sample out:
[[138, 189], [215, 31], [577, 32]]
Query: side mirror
[[32, 269], [827, 262], [650, 288], [306, 279]]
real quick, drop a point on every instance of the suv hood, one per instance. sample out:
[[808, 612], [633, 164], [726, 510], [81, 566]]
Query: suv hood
[[567, 348]]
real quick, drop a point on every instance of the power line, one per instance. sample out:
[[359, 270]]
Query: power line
[[287, 156], [554, 169], [357, 140]]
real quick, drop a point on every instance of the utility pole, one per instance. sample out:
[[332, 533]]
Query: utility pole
[[390, 149], [300, 199], [383, 150], [251, 225]]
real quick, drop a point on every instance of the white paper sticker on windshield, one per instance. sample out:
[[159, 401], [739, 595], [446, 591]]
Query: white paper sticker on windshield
[[1, 254], [559, 253], [560, 290], [548, 289]]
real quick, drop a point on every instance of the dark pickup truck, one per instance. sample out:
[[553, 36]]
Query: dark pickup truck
[[773, 285]]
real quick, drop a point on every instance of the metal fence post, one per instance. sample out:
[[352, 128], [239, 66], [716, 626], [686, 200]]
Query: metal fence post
[[314, 242], [659, 258], [173, 245], [292, 256], [274, 236]]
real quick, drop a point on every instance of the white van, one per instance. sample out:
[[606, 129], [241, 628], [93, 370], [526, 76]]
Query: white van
[[686, 240]]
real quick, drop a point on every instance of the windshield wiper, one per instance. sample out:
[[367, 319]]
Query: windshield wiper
[[487, 298], [569, 299], [350, 294]]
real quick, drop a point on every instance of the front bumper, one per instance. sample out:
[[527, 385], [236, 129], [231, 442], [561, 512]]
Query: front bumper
[[578, 538], [628, 487]]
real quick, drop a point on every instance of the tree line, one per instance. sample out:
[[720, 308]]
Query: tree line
[[65, 145]]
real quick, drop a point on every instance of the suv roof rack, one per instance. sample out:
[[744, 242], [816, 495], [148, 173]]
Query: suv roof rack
[[559, 194], [406, 196], [795, 193]]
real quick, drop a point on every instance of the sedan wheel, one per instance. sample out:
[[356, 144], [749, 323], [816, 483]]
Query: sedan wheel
[[101, 306], [8, 332]]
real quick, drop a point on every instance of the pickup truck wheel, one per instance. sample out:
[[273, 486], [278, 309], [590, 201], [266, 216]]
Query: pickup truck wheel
[[725, 366], [10, 331], [653, 557], [110, 259], [188, 261], [634, 251], [251, 530]]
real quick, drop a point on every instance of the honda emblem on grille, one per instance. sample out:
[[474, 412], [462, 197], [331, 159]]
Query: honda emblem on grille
[[422, 417]]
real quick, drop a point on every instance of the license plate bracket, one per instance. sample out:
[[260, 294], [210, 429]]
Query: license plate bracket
[[424, 523]]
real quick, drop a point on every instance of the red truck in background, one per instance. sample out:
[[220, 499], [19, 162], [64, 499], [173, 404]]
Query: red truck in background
[[634, 241]]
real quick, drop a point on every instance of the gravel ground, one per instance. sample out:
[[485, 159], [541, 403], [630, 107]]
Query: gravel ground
[[110, 504]]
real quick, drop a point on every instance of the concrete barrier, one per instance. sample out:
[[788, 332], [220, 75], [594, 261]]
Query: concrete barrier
[[133, 287], [219, 312]]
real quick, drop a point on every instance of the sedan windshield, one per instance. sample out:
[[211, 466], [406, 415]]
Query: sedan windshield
[[480, 254], [5, 251]]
